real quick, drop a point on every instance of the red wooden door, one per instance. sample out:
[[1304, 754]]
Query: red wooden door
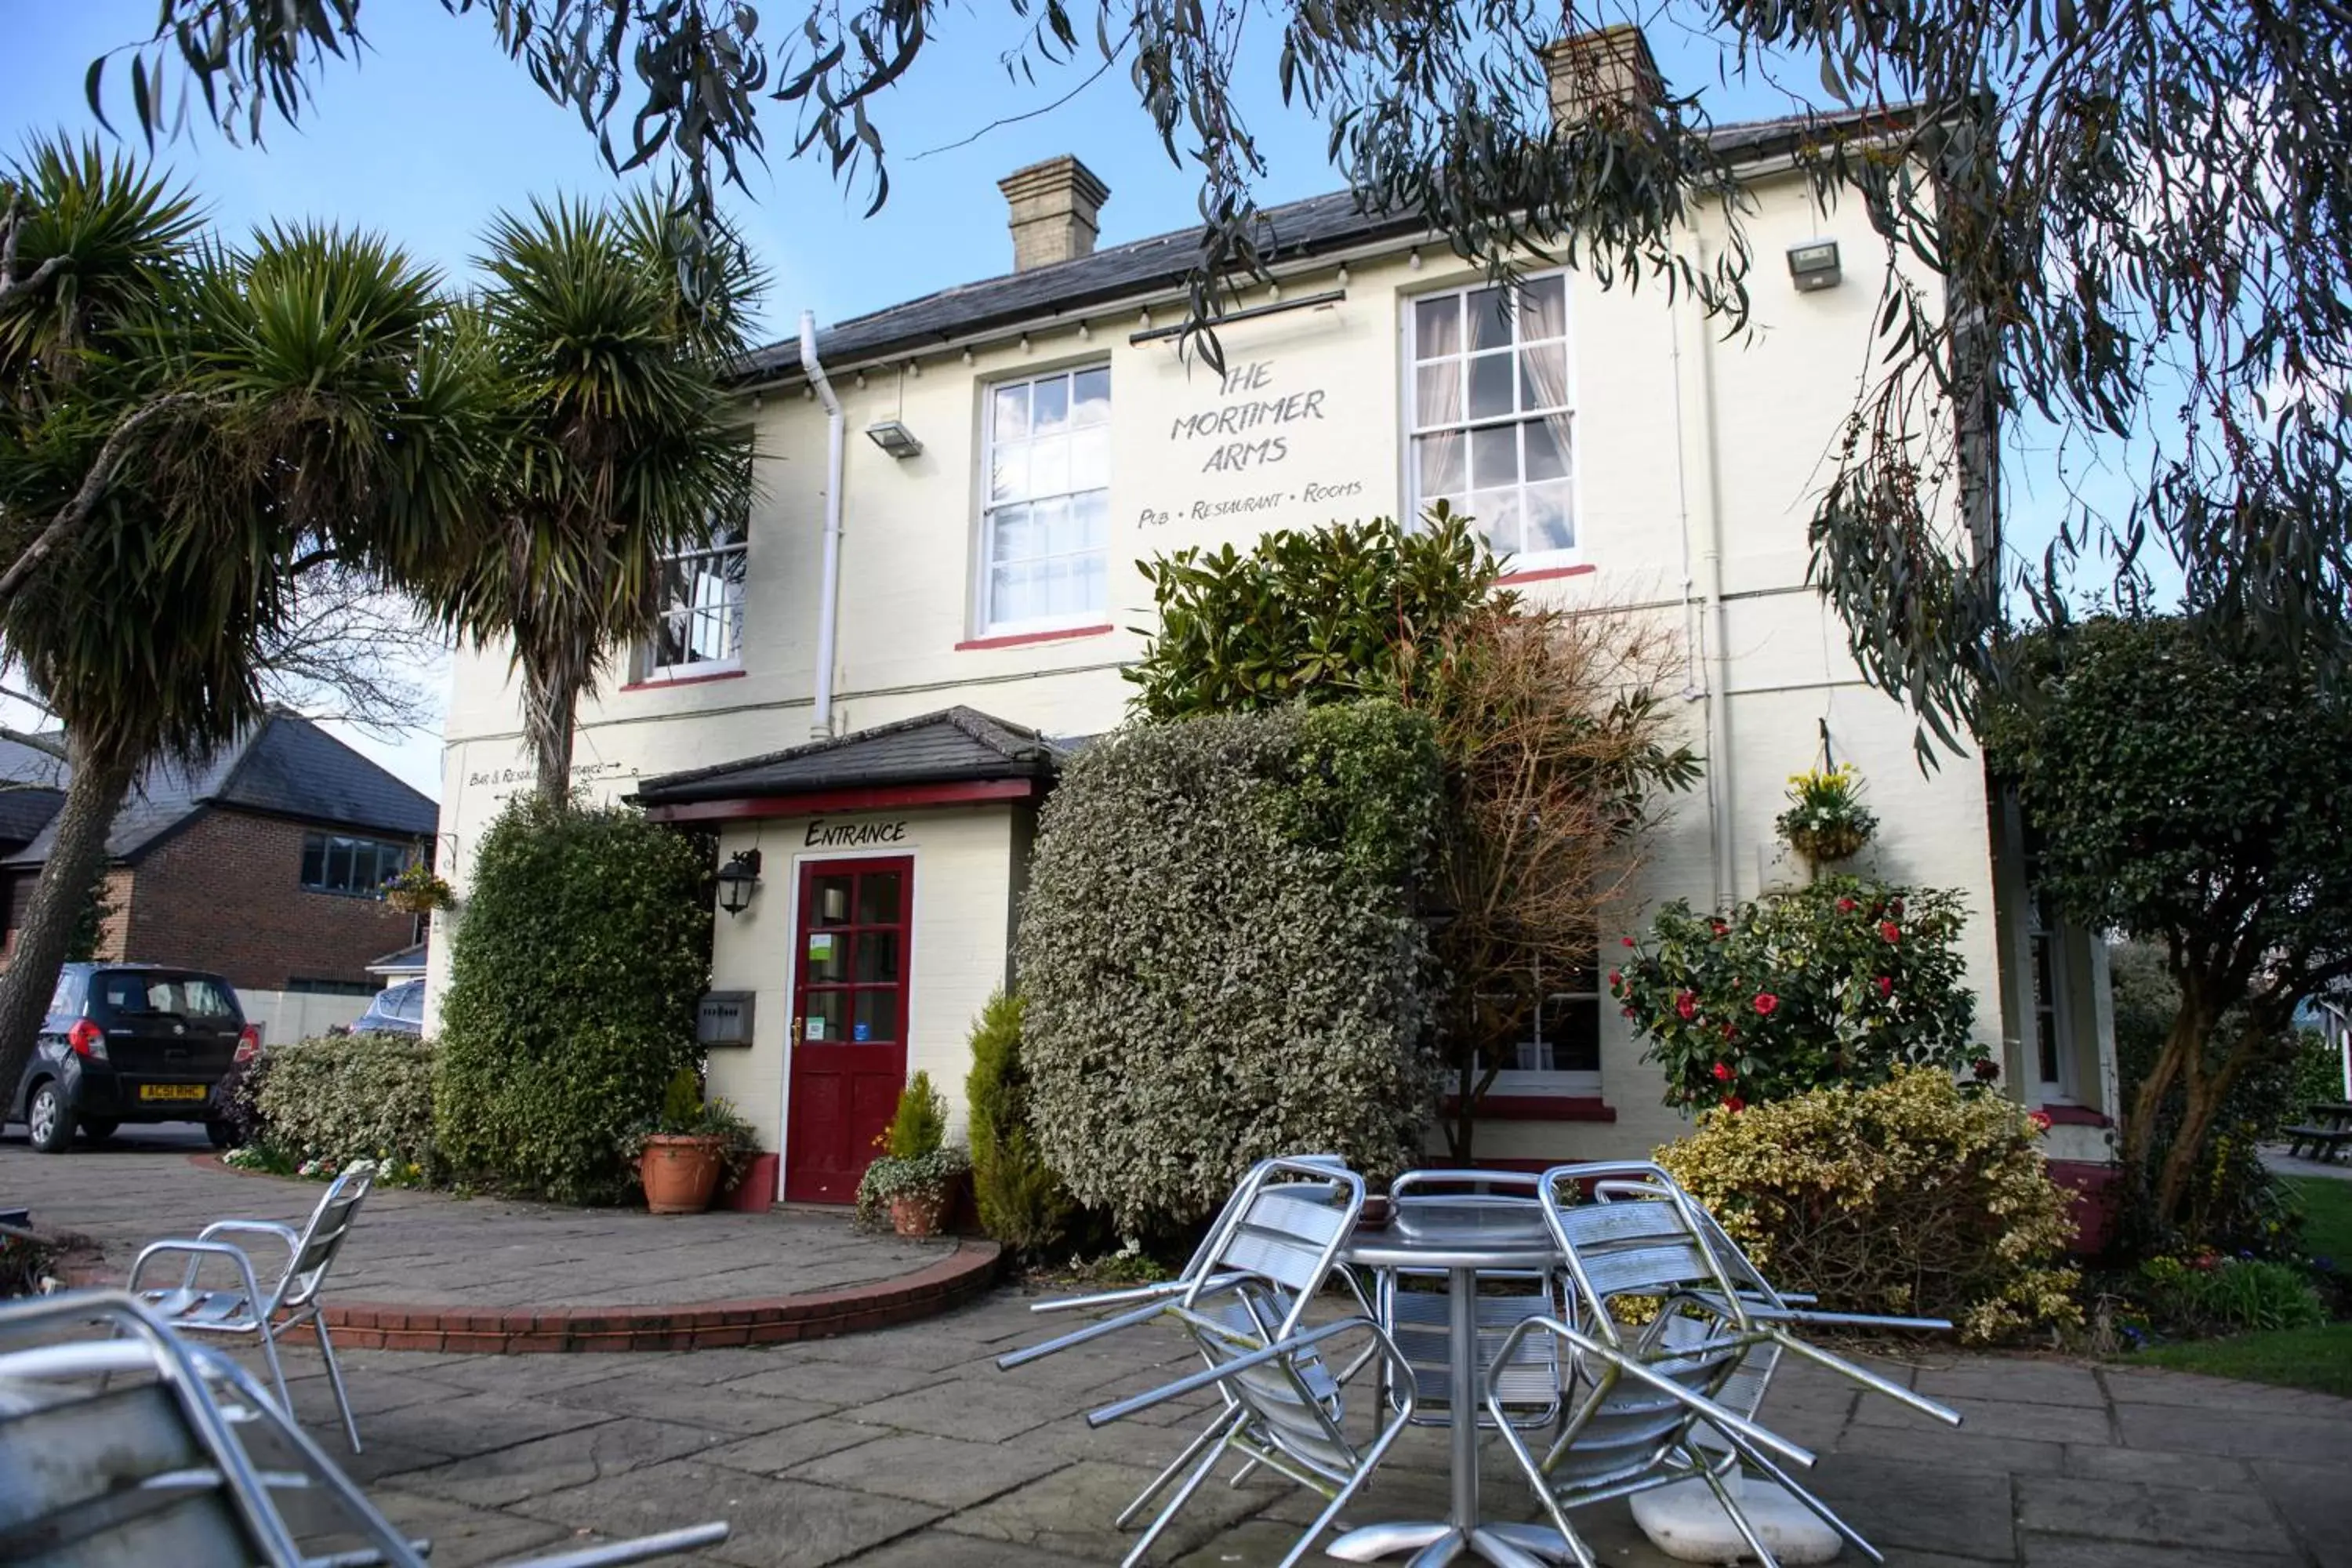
[[849, 1021]]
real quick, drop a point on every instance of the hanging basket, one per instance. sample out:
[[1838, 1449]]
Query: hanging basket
[[1822, 846]]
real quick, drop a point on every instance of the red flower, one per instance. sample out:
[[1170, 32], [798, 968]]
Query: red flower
[[1629, 1012], [1766, 1002], [1721, 929], [1616, 978], [1886, 986], [1986, 1069], [2040, 1120], [1688, 1005], [1735, 1105], [1890, 930], [1845, 905], [1626, 939], [1729, 1033], [1722, 1073]]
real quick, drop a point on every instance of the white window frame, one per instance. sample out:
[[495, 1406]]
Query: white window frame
[[1417, 426], [982, 623], [1567, 1083], [2046, 953], [650, 670]]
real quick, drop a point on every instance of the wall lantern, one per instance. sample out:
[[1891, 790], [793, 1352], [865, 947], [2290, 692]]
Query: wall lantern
[[896, 440], [738, 879], [1814, 265]]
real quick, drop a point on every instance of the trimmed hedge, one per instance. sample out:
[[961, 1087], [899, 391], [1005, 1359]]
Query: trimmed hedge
[[584, 947], [1913, 1197], [1219, 958], [341, 1097]]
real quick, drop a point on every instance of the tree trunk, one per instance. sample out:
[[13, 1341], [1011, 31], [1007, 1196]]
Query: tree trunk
[[2187, 1034], [2201, 1103], [94, 795], [551, 696]]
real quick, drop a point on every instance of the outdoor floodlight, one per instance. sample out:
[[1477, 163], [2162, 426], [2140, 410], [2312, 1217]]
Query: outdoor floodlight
[[894, 438], [738, 879], [1814, 265]]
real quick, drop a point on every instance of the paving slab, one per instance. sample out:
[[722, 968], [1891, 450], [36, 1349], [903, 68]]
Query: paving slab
[[774, 1523], [943, 1471]]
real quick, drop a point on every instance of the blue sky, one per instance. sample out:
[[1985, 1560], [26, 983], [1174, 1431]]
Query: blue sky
[[434, 130]]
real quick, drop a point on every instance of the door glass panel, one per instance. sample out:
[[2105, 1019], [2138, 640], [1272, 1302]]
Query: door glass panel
[[877, 898], [877, 957], [830, 901], [877, 1016], [826, 1015], [826, 960]]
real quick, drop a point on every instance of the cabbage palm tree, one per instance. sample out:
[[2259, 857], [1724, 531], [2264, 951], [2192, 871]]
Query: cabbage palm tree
[[611, 331], [184, 430]]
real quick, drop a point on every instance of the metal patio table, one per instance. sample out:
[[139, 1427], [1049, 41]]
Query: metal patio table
[[1462, 1236]]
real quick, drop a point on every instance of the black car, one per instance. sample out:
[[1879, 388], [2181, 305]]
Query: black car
[[133, 1042], [396, 1010]]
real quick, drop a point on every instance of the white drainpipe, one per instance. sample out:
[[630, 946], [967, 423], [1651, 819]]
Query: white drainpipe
[[829, 579]]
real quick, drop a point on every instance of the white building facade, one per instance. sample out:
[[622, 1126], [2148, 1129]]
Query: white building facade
[[862, 684]]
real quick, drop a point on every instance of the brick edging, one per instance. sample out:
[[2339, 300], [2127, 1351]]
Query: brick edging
[[685, 1326], [956, 1279]]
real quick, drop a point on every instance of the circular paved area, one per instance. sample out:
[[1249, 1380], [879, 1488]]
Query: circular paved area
[[423, 1271]]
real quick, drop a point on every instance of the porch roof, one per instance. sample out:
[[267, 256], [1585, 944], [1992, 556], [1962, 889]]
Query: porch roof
[[925, 760]]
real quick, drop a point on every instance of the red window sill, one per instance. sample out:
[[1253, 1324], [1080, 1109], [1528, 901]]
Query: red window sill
[[1547, 574], [1541, 1107], [684, 680], [1018, 639], [2074, 1116]]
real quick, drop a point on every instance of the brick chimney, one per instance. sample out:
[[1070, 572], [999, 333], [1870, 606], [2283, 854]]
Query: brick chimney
[[1609, 66], [1053, 207]]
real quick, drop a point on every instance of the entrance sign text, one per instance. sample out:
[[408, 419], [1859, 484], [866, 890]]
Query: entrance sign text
[[826, 835]]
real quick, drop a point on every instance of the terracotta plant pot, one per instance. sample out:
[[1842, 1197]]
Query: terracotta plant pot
[[918, 1214], [679, 1173]]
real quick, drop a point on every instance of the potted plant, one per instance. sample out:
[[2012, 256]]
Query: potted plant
[[414, 890], [918, 1176], [689, 1146], [1826, 820]]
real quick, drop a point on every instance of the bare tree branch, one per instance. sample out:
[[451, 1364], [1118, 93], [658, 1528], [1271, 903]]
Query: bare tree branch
[[352, 651], [75, 513], [12, 229]]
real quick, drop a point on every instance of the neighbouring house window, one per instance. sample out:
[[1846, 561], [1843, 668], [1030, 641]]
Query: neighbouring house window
[[1488, 412], [310, 987], [2052, 1044], [1046, 526], [699, 630], [336, 863], [1559, 1051]]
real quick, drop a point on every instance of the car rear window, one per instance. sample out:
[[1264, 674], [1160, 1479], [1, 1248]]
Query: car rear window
[[127, 992]]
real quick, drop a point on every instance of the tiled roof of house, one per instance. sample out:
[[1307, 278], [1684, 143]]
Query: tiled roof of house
[[24, 812], [952, 746], [285, 766], [1293, 231]]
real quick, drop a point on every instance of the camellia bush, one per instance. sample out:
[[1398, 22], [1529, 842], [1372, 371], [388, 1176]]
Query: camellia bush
[[351, 1096], [1843, 981], [1913, 1196], [584, 947], [1219, 959]]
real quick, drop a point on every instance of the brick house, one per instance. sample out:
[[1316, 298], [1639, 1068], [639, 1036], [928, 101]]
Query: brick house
[[260, 864]]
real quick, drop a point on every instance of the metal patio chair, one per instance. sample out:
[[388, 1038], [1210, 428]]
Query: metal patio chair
[[1285, 1405], [140, 1449], [1665, 1324], [1309, 1179], [248, 1311], [1418, 1320]]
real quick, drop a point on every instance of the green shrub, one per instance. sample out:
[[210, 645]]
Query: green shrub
[[1908, 1197], [1022, 1202], [351, 1096], [583, 947], [920, 1125], [1219, 959], [2228, 1295], [1843, 981]]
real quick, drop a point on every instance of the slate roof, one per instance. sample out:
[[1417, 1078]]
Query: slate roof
[[409, 960], [285, 766], [24, 812], [955, 745], [1294, 231]]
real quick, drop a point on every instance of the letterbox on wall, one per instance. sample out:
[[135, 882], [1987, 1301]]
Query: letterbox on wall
[[724, 1018]]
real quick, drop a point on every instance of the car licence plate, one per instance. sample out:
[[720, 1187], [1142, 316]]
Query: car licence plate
[[174, 1091]]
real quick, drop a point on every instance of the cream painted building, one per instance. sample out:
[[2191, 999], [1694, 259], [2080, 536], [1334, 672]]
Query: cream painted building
[[866, 685]]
